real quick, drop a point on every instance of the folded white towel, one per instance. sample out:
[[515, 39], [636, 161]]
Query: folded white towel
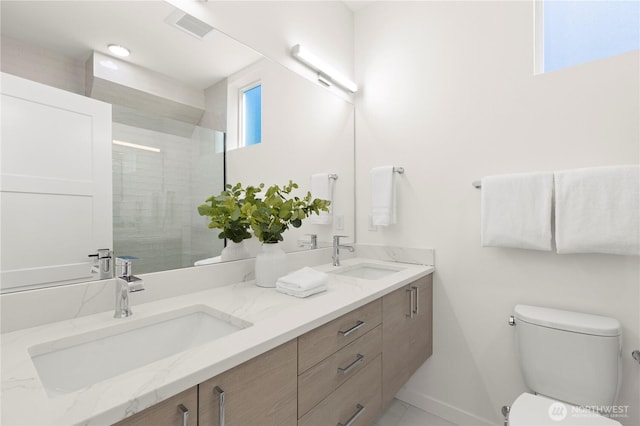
[[598, 210], [321, 188], [383, 196], [516, 211], [306, 293], [302, 280]]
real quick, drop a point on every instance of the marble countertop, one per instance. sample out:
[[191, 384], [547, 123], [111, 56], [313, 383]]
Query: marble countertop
[[276, 319]]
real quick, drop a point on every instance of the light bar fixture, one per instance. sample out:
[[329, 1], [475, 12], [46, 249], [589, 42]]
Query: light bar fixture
[[136, 146], [326, 74]]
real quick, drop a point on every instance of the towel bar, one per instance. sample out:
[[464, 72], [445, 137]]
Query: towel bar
[[476, 184], [399, 170], [333, 176]]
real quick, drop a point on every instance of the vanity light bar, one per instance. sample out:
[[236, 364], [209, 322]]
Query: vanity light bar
[[136, 146], [326, 73]]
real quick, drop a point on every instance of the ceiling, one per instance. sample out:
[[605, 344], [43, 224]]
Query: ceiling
[[75, 28]]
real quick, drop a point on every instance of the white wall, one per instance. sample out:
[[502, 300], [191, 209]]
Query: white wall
[[42, 65], [305, 130], [449, 94]]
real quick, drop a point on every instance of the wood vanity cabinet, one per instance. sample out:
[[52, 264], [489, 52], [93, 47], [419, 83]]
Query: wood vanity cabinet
[[340, 370], [179, 410], [262, 391], [343, 372], [407, 330]]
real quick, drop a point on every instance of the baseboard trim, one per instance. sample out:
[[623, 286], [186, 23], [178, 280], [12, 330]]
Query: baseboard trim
[[442, 409]]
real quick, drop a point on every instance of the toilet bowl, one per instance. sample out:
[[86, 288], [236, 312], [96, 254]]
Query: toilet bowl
[[537, 410], [571, 362]]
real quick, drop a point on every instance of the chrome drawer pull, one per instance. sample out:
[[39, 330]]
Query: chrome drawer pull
[[220, 393], [352, 329], [348, 368], [359, 410], [417, 310], [411, 302], [185, 414]]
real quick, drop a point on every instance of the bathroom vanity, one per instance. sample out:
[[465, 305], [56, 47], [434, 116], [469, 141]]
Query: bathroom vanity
[[334, 358]]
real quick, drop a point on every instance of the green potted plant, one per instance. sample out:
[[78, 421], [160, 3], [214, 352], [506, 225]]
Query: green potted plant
[[277, 211], [226, 213], [270, 217]]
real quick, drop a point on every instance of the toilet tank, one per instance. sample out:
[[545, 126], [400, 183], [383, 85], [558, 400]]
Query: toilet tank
[[569, 356]]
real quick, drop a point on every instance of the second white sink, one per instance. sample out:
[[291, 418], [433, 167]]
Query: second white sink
[[368, 271], [79, 361]]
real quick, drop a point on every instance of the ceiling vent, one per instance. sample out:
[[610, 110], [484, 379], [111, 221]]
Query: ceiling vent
[[189, 24]]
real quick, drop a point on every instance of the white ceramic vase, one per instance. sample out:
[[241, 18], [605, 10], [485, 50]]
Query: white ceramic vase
[[234, 251], [271, 264]]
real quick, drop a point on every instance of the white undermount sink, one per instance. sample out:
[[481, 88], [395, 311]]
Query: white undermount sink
[[75, 362], [368, 271]]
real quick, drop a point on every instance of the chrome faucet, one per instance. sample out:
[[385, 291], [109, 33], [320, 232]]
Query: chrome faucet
[[336, 249], [312, 243], [126, 283], [103, 263]]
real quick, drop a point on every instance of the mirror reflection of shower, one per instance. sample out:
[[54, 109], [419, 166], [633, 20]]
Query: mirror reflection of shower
[[162, 168]]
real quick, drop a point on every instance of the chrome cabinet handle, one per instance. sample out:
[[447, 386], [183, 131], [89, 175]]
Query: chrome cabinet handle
[[352, 329], [417, 310], [411, 302], [359, 410], [348, 368], [220, 393], [185, 414]]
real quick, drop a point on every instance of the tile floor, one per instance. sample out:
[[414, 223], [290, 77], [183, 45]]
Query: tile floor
[[402, 414]]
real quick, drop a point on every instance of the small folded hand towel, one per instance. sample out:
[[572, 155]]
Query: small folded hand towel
[[516, 211], [598, 210], [321, 188], [383, 196], [303, 282]]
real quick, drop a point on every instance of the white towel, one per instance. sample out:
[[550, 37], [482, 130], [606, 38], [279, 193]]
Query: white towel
[[303, 282], [383, 196], [516, 211], [598, 210], [302, 294], [321, 188]]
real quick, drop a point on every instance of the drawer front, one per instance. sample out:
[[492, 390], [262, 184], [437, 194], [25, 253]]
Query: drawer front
[[323, 378], [325, 340], [170, 412], [358, 400]]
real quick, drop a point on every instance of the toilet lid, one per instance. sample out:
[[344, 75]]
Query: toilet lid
[[536, 410]]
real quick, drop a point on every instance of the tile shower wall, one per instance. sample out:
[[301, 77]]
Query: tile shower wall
[[156, 194]]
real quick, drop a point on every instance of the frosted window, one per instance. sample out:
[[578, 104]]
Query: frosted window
[[576, 32]]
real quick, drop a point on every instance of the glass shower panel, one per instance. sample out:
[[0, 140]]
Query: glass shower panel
[[162, 170]]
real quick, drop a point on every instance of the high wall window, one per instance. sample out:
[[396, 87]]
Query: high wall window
[[573, 32], [251, 115]]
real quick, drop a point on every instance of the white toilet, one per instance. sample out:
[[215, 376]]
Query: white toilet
[[571, 362]]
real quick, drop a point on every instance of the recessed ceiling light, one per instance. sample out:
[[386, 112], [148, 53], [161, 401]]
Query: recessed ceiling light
[[118, 50]]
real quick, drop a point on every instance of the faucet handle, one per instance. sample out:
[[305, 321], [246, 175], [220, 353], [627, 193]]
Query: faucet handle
[[336, 238], [125, 264]]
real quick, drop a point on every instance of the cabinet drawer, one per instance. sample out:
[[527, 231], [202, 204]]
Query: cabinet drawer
[[262, 391], [359, 397], [325, 340], [323, 378], [168, 412]]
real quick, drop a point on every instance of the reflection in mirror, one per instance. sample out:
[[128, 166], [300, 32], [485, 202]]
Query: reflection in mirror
[[161, 169], [305, 128]]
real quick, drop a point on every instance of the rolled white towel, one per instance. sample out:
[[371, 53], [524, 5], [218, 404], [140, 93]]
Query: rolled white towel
[[302, 280]]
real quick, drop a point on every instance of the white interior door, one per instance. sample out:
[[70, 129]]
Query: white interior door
[[55, 184]]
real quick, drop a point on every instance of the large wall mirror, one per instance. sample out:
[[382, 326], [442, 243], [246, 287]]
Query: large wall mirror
[[168, 153]]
